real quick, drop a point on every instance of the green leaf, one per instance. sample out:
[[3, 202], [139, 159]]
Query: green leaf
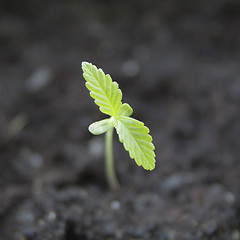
[[101, 127], [125, 110], [106, 93], [135, 138]]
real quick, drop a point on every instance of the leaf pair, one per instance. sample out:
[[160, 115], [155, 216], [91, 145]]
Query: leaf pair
[[132, 133]]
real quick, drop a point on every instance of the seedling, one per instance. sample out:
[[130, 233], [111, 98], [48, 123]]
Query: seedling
[[132, 133]]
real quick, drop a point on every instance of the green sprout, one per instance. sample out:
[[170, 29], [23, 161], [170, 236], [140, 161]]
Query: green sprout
[[132, 133]]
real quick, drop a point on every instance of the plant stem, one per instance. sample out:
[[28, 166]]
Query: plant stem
[[109, 161]]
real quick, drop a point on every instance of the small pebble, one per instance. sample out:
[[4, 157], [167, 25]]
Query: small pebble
[[26, 216], [83, 193], [176, 181], [38, 80], [229, 198], [130, 68], [96, 147], [32, 159], [36, 160], [51, 216], [236, 235], [115, 205]]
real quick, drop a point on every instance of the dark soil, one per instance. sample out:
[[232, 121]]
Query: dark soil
[[177, 63]]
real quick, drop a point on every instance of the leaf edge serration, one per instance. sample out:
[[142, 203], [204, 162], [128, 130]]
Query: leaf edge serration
[[146, 158], [105, 92]]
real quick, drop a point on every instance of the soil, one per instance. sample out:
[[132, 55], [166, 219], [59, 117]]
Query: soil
[[177, 64]]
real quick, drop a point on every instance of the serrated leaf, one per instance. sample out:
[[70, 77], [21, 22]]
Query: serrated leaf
[[135, 138], [101, 127], [125, 110], [106, 93]]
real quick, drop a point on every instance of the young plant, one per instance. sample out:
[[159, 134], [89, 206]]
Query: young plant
[[132, 133]]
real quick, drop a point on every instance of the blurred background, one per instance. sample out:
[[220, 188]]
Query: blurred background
[[177, 64]]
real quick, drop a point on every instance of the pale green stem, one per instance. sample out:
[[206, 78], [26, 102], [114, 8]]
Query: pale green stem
[[109, 161]]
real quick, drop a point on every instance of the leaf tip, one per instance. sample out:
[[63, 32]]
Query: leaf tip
[[150, 166], [101, 127], [85, 64]]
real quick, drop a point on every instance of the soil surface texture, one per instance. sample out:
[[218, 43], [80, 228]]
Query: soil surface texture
[[178, 66]]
